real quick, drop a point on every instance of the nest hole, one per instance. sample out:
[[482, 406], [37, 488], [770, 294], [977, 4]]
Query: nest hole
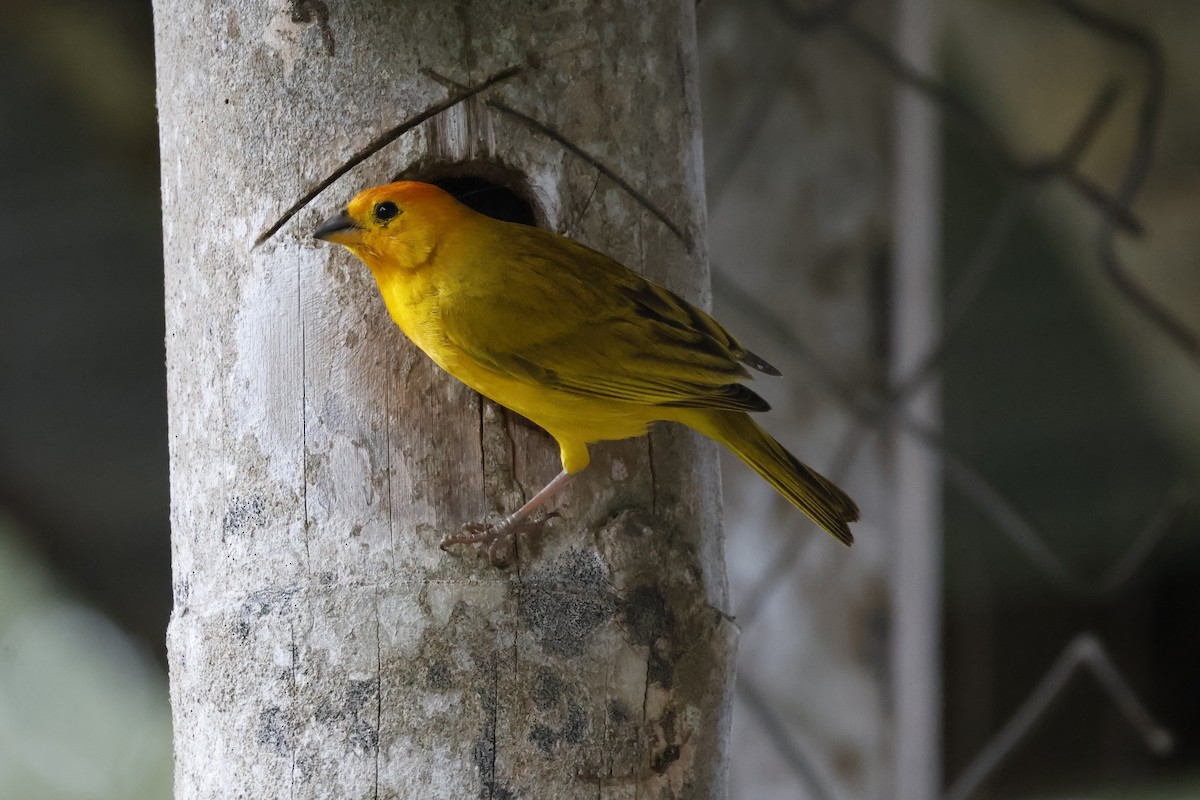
[[488, 188]]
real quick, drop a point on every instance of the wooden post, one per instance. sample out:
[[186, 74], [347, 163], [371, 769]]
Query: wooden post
[[321, 645]]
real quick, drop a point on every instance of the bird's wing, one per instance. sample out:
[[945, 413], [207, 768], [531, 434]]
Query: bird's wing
[[558, 314]]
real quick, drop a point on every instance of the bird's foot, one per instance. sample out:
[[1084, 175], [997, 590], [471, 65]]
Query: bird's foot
[[497, 540]]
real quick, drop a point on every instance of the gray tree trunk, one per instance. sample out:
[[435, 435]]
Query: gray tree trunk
[[321, 645]]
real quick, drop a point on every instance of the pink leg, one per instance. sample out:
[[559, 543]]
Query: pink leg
[[499, 536]]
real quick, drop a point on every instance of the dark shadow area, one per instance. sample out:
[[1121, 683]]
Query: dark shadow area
[[83, 422], [1037, 398], [489, 198], [486, 186]]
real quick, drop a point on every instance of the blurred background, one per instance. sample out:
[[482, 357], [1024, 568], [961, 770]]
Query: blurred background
[[1069, 441]]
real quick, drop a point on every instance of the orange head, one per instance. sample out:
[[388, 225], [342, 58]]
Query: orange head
[[398, 224]]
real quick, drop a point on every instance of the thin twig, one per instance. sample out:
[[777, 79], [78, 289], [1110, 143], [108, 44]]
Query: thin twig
[[597, 164], [383, 140], [538, 126]]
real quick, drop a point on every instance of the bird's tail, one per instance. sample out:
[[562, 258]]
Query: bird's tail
[[815, 495]]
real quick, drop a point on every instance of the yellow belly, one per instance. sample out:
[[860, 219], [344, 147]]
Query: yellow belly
[[573, 420]]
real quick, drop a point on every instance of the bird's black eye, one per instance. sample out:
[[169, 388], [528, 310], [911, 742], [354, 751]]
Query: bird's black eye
[[385, 210]]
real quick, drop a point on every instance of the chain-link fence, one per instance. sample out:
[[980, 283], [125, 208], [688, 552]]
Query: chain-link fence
[[1082, 598]]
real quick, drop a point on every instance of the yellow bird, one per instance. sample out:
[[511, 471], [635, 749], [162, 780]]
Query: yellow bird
[[567, 337]]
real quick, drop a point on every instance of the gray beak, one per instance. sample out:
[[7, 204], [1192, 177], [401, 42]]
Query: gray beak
[[340, 229]]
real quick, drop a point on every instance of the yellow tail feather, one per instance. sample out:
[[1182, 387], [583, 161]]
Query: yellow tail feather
[[812, 493]]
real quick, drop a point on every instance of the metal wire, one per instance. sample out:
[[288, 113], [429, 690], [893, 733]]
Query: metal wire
[[881, 411]]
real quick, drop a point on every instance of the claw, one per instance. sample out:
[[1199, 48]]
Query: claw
[[497, 539], [500, 538]]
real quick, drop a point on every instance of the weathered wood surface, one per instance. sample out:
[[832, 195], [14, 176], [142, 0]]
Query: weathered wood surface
[[321, 645]]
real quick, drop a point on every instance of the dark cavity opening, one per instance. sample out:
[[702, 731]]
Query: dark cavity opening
[[489, 198], [486, 187]]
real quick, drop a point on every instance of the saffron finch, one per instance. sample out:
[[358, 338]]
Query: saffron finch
[[567, 337]]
